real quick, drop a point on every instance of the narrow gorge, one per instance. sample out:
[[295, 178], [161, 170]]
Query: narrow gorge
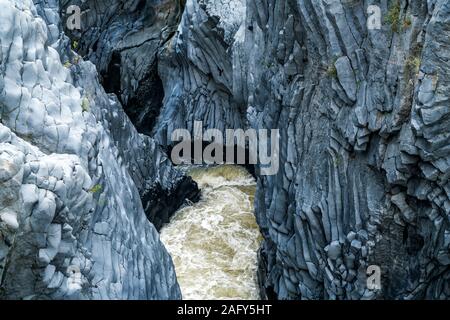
[[93, 205]]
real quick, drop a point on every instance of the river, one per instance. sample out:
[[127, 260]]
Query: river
[[214, 243]]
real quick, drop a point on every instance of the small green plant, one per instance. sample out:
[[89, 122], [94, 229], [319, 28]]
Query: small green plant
[[85, 106], [337, 161], [413, 63], [27, 137], [268, 64], [96, 189], [67, 64], [74, 45], [332, 71], [393, 16]]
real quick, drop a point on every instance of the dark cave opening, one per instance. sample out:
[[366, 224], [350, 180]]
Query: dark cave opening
[[235, 150], [111, 77], [144, 105]]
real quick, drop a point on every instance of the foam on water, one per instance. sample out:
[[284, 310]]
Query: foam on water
[[214, 242]]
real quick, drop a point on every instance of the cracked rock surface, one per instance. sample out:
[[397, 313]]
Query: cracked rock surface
[[363, 118], [72, 223], [122, 38]]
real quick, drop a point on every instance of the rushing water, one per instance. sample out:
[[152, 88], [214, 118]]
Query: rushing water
[[214, 242]]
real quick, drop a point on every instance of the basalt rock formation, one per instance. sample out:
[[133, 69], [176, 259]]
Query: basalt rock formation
[[72, 222], [122, 38], [362, 111], [363, 115]]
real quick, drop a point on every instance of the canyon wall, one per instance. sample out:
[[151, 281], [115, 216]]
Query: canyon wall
[[363, 116], [364, 121], [72, 222]]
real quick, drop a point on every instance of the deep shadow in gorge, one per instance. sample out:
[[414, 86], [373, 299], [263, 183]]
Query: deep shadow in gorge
[[111, 76], [145, 103], [226, 151]]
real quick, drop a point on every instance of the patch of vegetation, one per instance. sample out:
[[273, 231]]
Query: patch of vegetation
[[413, 63], [337, 161], [96, 189], [393, 16], [75, 45], [85, 105], [407, 23], [332, 71], [26, 136], [268, 64], [67, 64]]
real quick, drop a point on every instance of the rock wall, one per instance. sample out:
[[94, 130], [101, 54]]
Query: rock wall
[[197, 71], [72, 223], [122, 38], [363, 119]]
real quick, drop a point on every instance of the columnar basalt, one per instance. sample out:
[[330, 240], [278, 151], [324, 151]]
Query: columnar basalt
[[72, 224], [364, 180], [363, 116]]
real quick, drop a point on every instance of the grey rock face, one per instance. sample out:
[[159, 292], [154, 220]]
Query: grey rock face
[[197, 72], [122, 39], [72, 224], [363, 119], [357, 143]]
